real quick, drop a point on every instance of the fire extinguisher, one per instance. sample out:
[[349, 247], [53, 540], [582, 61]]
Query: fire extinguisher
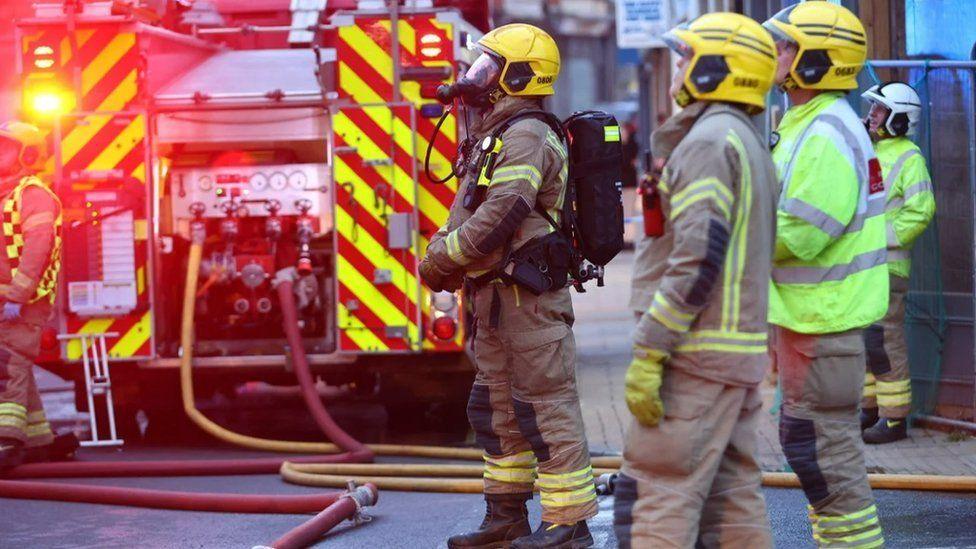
[[651, 199]]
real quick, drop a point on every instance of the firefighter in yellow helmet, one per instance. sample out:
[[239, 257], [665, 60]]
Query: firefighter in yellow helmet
[[524, 407], [31, 241], [830, 277], [690, 472]]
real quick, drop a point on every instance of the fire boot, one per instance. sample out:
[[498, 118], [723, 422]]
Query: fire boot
[[61, 449], [869, 416], [506, 519], [557, 536], [886, 430], [11, 453]]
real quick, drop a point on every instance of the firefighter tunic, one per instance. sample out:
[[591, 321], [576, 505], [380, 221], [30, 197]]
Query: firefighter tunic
[[28, 276], [524, 406]]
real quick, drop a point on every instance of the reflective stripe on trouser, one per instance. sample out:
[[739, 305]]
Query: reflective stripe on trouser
[[21, 410], [524, 407], [888, 384], [858, 529], [695, 476], [821, 376]]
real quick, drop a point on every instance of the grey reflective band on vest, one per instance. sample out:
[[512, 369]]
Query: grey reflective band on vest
[[826, 222], [814, 275], [899, 254], [918, 188], [895, 171]]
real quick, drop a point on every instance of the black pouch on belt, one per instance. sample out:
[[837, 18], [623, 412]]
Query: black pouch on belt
[[541, 264]]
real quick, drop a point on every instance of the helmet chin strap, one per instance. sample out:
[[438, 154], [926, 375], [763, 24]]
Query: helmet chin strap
[[684, 98], [789, 84]]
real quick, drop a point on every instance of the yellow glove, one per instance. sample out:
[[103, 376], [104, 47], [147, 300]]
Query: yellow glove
[[642, 386]]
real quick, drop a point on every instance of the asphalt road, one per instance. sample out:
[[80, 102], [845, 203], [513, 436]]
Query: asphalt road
[[410, 520], [400, 520]]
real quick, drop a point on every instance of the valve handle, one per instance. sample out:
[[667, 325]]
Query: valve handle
[[273, 206]]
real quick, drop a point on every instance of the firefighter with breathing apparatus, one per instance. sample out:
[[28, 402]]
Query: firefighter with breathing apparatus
[[524, 407], [690, 471], [28, 281], [895, 109], [830, 273]]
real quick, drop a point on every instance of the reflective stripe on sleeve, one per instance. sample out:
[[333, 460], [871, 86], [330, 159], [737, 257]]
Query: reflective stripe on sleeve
[[667, 314], [703, 189], [514, 173]]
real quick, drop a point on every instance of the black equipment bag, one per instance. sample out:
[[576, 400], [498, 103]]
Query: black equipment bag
[[596, 176]]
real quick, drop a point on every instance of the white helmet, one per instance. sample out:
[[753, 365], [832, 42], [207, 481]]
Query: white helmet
[[903, 104]]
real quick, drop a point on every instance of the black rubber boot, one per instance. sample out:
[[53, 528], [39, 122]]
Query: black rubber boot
[[885, 431], [869, 416], [506, 519], [62, 448], [11, 453], [557, 536]]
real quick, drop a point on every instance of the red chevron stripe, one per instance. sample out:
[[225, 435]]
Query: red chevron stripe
[[366, 268], [95, 145], [112, 79], [384, 89], [347, 344], [403, 158], [369, 319], [369, 224]]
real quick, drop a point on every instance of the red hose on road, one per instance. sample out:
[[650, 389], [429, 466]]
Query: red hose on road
[[172, 468], [163, 499], [347, 507], [310, 394], [339, 506]]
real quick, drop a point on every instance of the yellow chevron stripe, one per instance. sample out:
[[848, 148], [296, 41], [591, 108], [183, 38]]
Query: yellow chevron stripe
[[362, 93], [362, 336], [405, 281], [81, 37], [141, 280], [130, 342], [396, 178], [363, 193], [105, 60], [370, 297], [82, 134], [121, 146], [94, 326], [140, 172]]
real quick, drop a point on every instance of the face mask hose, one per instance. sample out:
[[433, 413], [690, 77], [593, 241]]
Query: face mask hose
[[430, 145]]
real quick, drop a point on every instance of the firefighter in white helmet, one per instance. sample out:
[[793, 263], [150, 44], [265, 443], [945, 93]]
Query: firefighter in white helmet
[[31, 240], [895, 109], [690, 471], [524, 407]]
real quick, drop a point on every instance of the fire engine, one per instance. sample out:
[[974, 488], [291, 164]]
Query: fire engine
[[296, 133]]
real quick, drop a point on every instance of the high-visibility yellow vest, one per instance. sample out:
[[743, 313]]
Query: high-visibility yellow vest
[[14, 238], [830, 269]]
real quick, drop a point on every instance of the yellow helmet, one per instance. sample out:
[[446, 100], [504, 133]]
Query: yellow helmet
[[33, 146], [732, 58], [832, 45], [529, 58]]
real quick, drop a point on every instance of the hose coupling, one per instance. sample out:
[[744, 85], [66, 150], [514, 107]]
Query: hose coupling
[[363, 496]]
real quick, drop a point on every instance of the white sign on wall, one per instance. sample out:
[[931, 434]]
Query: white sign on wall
[[640, 23]]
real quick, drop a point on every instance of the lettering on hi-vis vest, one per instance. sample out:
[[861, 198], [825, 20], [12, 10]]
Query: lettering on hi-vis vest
[[544, 80], [875, 180]]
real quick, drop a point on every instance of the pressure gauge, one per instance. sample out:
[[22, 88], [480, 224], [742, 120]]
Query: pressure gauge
[[298, 180], [205, 183], [278, 181], [259, 181]]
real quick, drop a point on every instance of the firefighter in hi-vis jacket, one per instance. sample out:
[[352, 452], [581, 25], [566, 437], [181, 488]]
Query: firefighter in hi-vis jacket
[[524, 407], [28, 281]]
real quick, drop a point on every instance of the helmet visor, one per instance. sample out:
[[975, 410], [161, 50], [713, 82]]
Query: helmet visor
[[484, 72], [782, 17], [676, 44]]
